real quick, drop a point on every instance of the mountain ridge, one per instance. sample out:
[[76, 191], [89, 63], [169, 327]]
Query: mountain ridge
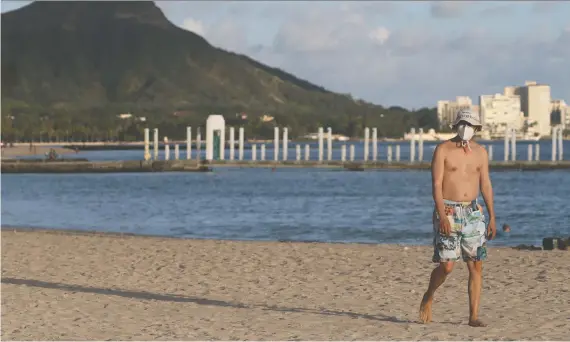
[[89, 61]]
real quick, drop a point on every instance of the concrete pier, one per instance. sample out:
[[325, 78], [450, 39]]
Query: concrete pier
[[176, 152], [398, 153], [307, 152], [560, 144], [366, 143], [188, 143], [241, 142], [298, 153], [146, 144], [285, 143], [320, 138], [276, 143], [262, 152], [351, 153], [513, 145], [374, 144], [254, 152], [506, 148], [490, 152], [421, 145], [529, 152], [198, 144], [413, 145], [389, 154], [155, 144], [343, 153], [166, 149], [232, 143], [329, 144], [554, 142], [536, 152]]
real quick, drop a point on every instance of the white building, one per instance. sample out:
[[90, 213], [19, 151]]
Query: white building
[[499, 112], [447, 110], [535, 104]]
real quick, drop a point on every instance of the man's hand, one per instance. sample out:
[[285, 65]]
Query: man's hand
[[491, 229], [444, 225]]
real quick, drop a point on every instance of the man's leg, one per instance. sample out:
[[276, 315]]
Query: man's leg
[[438, 276], [474, 288]]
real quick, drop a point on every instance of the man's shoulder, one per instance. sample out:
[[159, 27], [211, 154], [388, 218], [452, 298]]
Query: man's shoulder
[[444, 145]]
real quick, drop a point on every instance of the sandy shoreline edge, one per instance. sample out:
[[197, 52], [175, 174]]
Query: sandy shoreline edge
[[62, 285]]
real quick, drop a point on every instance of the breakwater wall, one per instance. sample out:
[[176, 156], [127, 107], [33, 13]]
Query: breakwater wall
[[23, 166], [102, 166]]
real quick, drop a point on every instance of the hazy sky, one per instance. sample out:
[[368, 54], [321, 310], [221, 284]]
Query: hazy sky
[[393, 53]]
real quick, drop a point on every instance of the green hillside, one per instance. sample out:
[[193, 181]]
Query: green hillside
[[69, 68]]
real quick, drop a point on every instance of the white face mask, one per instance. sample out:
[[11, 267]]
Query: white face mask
[[465, 132]]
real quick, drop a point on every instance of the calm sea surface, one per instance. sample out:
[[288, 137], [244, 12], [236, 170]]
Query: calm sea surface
[[286, 204]]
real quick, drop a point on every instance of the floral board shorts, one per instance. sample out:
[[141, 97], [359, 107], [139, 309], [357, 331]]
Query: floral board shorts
[[468, 233]]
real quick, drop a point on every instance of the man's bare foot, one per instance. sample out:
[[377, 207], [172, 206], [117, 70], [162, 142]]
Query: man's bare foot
[[477, 323], [425, 309]]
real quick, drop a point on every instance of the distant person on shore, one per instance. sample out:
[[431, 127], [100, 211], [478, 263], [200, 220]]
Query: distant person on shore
[[460, 169], [506, 231]]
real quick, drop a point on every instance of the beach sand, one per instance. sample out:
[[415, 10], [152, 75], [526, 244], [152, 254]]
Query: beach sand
[[70, 286], [20, 151]]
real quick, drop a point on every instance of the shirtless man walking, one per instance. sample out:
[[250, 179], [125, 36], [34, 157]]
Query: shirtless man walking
[[460, 168]]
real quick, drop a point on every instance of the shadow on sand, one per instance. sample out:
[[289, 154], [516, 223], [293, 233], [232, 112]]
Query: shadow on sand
[[196, 300]]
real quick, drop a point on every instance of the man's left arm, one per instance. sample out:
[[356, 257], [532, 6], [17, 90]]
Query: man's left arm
[[487, 192]]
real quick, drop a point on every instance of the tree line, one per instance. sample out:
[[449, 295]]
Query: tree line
[[22, 123]]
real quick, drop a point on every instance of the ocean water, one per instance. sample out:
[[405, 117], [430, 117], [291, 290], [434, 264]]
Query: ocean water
[[285, 204]]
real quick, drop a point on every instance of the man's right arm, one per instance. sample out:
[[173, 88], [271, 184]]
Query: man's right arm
[[437, 168]]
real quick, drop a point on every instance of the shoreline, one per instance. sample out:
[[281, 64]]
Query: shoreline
[[89, 287], [112, 234]]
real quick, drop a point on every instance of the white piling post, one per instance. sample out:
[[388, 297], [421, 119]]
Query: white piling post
[[343, 153], [262, 152], [507, 133], [285, 143], [241, 141], [490, 152], [276, 143], [188, 142], [307, 152], [514, 145], [166, 149], [366, 142], [254, 152], [351, 153], [421, 146], [398, 153], [529, 152], [554, 137], [232, 143], [329, 144], [389, 154], [560, 145], [298, 153], [176, 152], [412, 145], [146, 144], [374, 144], [155, 144], [198, 144], [537, 152], [320, 136]]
